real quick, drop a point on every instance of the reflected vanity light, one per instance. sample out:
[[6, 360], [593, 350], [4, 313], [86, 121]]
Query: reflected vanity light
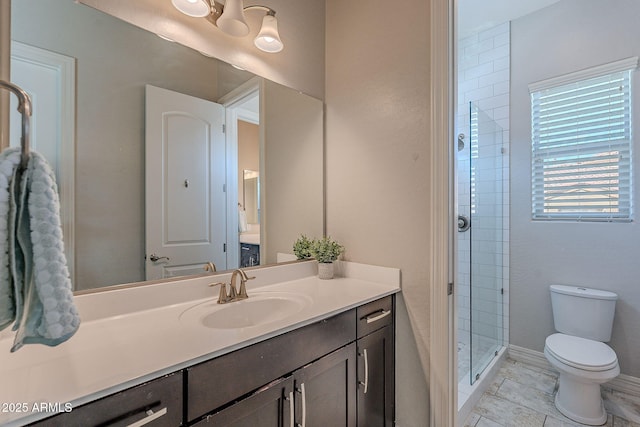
[[167, 38], [231, 20], [194, 8]]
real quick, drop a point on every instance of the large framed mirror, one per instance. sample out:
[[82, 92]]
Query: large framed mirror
[[100, 156]]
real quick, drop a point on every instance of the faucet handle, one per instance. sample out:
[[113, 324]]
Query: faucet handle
[[243, 286], [223, 298], [244, 277]]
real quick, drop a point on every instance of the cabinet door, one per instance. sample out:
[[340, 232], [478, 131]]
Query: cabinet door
[[376, 382], [271, 406], [325, 390]]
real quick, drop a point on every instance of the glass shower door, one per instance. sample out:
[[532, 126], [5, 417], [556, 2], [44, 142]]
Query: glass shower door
[[486, 240]]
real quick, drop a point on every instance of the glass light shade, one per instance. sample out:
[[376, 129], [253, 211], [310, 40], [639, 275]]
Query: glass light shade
[[195, 8], [232, 20], [268, 39]]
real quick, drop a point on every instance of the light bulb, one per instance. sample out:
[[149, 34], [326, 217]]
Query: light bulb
[[194, 8]]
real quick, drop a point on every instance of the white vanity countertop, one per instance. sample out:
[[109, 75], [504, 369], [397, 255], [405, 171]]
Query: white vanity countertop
[[250, 238], [130, 336]]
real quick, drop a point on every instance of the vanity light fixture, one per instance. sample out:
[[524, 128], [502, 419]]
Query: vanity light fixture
[[231, 20]]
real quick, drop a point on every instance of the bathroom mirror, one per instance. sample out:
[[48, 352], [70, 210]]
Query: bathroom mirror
[[113, 61]]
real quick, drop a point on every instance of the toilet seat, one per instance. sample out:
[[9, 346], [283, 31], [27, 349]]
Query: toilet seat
[[581, 353]]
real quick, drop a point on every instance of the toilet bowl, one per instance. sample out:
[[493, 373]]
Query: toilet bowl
[[583, 364], [584, 321]]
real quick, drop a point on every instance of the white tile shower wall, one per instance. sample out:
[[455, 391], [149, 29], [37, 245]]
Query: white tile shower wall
[[483, 78]]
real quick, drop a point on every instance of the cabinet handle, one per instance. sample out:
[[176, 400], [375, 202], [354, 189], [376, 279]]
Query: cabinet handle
[[292, 410], [374, 317], [150, 417], [304, 405], [366, 371]]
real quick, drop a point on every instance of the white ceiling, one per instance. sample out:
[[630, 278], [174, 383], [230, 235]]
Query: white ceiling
[[478, 15]]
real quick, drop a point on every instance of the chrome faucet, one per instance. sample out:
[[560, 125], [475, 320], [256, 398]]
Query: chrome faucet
[[234, 294]]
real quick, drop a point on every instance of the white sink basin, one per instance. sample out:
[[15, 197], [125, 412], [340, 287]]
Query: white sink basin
[[259, 309]]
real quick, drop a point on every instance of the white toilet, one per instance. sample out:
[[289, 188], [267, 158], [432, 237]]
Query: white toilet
[[584, 319]]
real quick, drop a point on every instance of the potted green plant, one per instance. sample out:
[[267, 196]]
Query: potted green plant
[[325, 251], [302, 247]]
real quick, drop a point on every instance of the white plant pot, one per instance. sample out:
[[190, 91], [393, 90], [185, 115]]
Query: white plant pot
[[325, 270]]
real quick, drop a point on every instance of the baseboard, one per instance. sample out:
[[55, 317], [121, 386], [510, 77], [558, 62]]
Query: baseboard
[[528, 356], [623, 383]]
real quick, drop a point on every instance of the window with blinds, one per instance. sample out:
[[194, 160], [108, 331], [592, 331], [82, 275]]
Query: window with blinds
[[582, 145]]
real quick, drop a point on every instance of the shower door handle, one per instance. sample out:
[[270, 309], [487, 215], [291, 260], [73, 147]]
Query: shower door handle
[[464, 223]]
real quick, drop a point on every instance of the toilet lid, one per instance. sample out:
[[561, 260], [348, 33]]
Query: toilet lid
[[581, 353]]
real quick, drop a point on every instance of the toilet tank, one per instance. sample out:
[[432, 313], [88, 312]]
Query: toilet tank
[[583, 312]]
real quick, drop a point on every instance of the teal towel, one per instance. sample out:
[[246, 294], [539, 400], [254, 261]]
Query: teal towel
[[44, 308], [9, 160]]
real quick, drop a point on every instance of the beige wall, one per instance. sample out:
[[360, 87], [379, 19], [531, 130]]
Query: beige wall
[[292, 169], [377, 154], [300, 23]]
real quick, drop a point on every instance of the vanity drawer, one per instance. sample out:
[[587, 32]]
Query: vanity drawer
[[159, 402], [227, 378], [375, 315]]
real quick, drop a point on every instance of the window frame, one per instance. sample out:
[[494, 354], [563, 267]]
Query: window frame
[[578, 158]]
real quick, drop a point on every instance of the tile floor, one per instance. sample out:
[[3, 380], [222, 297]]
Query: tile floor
[[522, 395]]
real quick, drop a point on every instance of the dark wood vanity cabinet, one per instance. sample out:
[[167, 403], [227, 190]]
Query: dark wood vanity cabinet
[[352, 386], [376, 364], [154, 404], [219, 382], [318, 395], [335, 372], [249, 255]]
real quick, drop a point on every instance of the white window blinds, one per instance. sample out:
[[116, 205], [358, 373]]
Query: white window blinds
[[581, 145]]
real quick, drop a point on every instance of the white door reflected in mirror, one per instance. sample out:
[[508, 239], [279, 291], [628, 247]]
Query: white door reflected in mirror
[[185, 178]]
